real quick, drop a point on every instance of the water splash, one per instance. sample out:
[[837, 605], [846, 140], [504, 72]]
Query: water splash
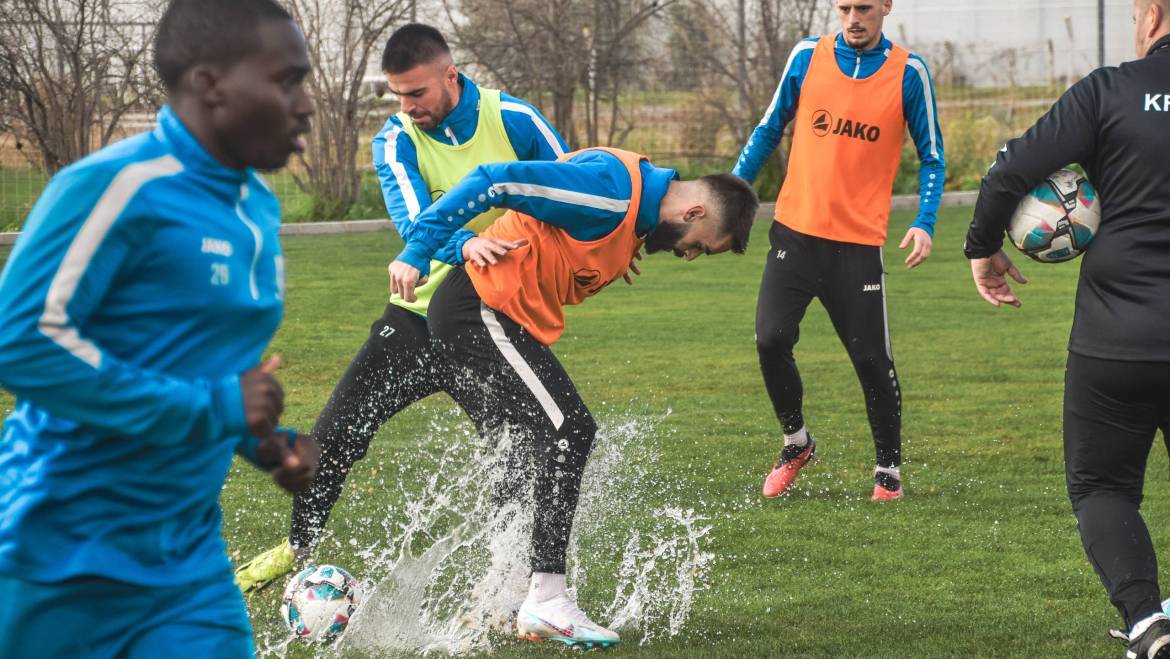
[[456, 561], [452, 566], [660, 574]]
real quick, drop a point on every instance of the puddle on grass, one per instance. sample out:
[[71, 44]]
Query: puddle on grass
[[451, 567]]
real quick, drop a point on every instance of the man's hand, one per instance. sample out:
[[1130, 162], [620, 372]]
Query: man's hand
[[403, 279], [263, 397], [922, 245], [990, 280], [292, 468], [633, 267], [483, 251]]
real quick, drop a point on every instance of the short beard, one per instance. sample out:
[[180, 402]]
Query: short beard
[[665, 236], [447, 106]]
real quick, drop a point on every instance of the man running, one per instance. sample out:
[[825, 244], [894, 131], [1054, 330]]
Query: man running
[[852, 95], [133, 313], [1116, 124], [575, 225], [447, 126]]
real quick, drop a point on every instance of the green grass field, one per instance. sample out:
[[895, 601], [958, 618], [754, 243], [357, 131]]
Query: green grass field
[[981, 559]]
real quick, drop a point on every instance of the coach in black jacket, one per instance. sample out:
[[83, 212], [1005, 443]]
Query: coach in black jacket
[[1116, 124]]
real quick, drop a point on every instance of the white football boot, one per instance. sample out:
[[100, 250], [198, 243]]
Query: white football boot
[[559, 619]]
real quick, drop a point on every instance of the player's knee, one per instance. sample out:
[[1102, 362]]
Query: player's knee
[[339, 451], [1085, 494], [774, 342], [577, 435], [872, 363], [587, 430]]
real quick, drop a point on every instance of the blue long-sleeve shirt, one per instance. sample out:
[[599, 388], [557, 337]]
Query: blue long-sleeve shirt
[[587, 195], [918, 107], [147, 277], [396, 160]]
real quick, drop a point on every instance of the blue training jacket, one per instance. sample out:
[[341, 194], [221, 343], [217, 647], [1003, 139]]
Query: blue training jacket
[[396, 159], [147, 277], [918, 106], [587, 195]]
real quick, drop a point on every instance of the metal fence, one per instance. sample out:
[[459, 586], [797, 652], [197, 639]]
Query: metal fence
[[672, 129]]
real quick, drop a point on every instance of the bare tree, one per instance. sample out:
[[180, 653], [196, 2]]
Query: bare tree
[[732, 54], [70, 71], [342, 36], [558, 48], [742, 47], [616, 59], [531, 47]]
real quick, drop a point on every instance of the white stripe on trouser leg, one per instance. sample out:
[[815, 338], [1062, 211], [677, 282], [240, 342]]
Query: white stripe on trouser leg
[[885, 314], [527, 375]]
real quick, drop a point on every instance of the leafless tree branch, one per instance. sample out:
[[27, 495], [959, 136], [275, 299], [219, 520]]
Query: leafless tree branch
[[71, 70], [342, 35]]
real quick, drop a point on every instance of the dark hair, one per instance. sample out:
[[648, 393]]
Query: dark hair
[[737, 205], [411, 45], [195, 32]]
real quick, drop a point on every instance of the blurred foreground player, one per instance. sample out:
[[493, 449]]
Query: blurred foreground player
[[134, 310]]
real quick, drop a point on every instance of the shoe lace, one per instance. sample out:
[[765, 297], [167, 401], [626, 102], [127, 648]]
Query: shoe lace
[[790, 452]]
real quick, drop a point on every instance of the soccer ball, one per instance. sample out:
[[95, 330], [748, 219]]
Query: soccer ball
[[319, 601], [1058, 219]]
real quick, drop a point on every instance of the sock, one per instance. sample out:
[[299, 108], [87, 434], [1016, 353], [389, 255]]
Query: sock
[[303, 554], [798, 438], [1142, 625], [545, 586], [888, 477]]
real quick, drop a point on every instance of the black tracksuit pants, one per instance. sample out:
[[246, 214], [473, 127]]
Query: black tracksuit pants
[[393, 369], [849, 280], [502, 377], [1112, 410]]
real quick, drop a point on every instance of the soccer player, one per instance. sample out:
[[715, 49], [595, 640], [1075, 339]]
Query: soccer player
[[1116, 124], [447, 126], [577, 224], [851, 95], [133, 312]]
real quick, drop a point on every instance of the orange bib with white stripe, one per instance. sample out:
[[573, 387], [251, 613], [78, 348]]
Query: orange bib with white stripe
[[846, 145], [532, 284]]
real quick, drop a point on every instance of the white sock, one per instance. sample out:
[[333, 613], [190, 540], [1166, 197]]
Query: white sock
[[545, 586], [896, 472], [1141, 626], [798, 438]]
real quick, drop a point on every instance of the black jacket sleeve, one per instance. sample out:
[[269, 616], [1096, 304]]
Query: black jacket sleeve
[[1066, 134]]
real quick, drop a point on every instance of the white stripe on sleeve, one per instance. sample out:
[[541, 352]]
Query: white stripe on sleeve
[[544, 128], [564, 196], [54, 320], [257, 240], [400, 175], [800, 47], [516, 361], [928, 98]]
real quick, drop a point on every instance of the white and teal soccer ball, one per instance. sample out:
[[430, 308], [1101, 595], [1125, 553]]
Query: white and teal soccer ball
[[319, 601], [1057, 220]]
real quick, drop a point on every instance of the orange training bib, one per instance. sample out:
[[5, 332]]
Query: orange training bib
[[532, 284], [846, 146]]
